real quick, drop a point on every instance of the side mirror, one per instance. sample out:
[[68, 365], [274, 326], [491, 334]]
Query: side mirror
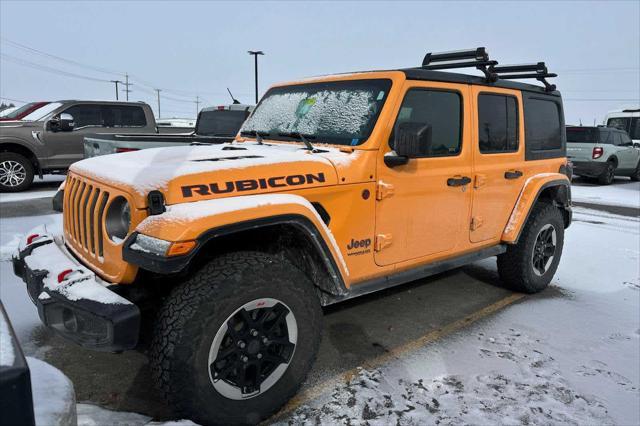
[[411, 140], [66, 122], [62, 123], [636, 144]]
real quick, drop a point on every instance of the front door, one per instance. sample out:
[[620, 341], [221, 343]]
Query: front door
[[498, 160], [423, 207], [66, 148]]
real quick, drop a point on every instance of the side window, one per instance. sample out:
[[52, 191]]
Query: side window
[[85, 115], [634, 132], [606, 137], [442, 110], [123, 116], [625, 139], [497, 123], [542, 125]]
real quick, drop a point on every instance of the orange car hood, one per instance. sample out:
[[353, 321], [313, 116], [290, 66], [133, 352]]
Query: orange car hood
[[193, 173]]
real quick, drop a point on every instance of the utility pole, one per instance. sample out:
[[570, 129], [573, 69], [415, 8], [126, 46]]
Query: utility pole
[[127, 84], [197, 105], [158, 92], [116, 82], [255, 54]]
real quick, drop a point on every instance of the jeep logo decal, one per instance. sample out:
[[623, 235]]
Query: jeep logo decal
[[362, 247], [251, 184]]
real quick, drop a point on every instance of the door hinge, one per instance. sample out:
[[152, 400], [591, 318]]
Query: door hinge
[[476, 222], [383, 241], [479, 181], [384, 190]]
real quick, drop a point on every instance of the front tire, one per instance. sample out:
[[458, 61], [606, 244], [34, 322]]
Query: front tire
[[234, 342], [635, 176], [16, 172], [529, 265]]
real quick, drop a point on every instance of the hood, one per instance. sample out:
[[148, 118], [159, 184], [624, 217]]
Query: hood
[[194, 173]]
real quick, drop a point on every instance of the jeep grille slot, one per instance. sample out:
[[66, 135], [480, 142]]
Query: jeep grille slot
[[83, 213]]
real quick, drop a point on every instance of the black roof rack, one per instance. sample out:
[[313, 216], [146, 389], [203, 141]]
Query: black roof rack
[[479, 58]]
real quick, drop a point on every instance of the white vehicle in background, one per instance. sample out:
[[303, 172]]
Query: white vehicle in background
[[180, 125], [7, 111], [627, 119]]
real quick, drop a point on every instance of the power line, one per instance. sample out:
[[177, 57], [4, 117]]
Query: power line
[[69, 61], [601, 100], [40, 67], [13, 100]]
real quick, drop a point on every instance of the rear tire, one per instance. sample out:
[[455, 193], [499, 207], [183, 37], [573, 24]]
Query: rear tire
[[606, 178], [189, 351], [16, 172], [529, 265]]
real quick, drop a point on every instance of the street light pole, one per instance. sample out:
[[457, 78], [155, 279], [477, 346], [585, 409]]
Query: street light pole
[[116, 82], [255, 54]]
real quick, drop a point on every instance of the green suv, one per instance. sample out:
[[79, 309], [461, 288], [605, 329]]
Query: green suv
[[602, 153]]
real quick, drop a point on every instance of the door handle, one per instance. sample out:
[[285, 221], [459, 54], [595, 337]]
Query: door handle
[[512, 174], [458, 181]]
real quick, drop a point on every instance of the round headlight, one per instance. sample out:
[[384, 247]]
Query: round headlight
[[118, 219]]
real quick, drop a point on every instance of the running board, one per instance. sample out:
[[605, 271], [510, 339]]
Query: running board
[[423, 271]]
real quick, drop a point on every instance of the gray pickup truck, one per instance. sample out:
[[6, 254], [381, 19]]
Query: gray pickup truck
[[51, 138], [216, 124]]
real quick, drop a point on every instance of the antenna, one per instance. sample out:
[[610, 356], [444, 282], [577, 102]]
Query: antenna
[[235, 101]]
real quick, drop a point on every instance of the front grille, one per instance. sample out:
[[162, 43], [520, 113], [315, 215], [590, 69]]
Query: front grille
[[84, 206]]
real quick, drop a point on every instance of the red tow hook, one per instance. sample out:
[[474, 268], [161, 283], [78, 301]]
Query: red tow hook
[[32, 237], [63, 275]]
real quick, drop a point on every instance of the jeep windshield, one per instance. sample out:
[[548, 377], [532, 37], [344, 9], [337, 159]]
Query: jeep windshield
[[335, 112]]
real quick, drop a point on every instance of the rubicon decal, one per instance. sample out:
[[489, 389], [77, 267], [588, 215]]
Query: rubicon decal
[[251, 184]]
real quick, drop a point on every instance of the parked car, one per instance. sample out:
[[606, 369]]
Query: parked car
[[336, 187], [21, 112], [602, 153], [214, 125], [50, 139], [626, 119]]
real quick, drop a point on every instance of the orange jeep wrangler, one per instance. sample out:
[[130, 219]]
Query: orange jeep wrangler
[[336, 187]]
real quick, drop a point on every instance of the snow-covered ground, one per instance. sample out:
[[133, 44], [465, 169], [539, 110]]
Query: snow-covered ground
[[42, 188], [569, 355], [623, 192]]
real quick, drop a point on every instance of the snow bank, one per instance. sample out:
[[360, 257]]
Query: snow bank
[[54, 400], [621, 193]]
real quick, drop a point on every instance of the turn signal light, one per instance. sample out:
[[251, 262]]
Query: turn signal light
[[180, 248], [597, 152]]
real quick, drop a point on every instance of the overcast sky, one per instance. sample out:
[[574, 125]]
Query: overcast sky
[[200, 48]]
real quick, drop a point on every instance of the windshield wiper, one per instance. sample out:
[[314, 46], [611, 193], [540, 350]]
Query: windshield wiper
[[301, 137], [255, 134]]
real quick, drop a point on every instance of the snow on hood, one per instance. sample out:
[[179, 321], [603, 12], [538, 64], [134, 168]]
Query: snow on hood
[[169, 169]]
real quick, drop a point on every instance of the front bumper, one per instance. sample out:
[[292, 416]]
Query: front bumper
[[589, 168], [71, 299]]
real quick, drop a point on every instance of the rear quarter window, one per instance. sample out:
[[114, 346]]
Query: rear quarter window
[[544, 127]]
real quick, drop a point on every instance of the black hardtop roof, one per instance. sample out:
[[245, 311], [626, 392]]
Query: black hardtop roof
[[451, 77]]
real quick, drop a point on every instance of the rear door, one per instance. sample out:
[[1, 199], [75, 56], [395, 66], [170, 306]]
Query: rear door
[[627, 154], [498, 153]]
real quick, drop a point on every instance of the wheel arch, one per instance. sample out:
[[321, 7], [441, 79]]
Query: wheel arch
[[554, 189], [613, 159], [24, 151]]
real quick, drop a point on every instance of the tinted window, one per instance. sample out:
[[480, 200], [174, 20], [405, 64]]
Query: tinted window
[[606, 136], [220, 123], [582, 135], [85, 115], [621, 123], [635, 128], [625, 138], [123, 116], [442, 111], [542, 125], [497, 123]]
